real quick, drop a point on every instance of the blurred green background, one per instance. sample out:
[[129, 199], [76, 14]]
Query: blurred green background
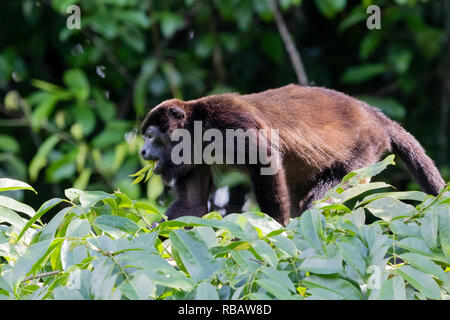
[[71, 100]]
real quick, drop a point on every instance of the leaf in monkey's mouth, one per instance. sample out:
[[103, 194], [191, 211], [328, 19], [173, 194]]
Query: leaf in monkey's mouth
[[148, 168]]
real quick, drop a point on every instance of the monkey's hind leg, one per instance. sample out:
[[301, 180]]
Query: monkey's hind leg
[[271, 194], [322, 184]]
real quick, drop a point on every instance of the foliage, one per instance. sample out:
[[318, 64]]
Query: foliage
[[146, 172], [107, 246], [72, 100]]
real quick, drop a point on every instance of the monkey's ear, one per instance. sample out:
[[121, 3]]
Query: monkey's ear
[[177, 113]]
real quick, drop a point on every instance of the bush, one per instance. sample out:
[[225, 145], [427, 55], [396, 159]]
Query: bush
[[108, 246]]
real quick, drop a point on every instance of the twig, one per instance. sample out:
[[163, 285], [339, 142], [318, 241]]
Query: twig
[[41, 275], [294, 55], [256, 260]]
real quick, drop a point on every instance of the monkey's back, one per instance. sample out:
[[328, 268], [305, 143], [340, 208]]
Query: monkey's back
[[318, 125]]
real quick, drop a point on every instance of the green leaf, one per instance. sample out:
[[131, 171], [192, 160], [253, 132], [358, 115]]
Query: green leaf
[[400, 59], [282, 277], [356, 16], [31, 256], [170, 23], [140, 287], [334, 284], [367, 172], [110, 223], [424, 264], [7, 184], [404, 229], [194, 254], [62, 168], [157, 269], [62, 5], [369, 43], [429, 229], [106, 110], [362, 73], [40, 159], [83, 179], [311, 228], [390, 208], [77, 82], [102, 278], [204, 46], [139, 94], [89, 199], [16, 206], [392, 289], [359, 189], [234, 228], [245, 260], [42, 210], [134, 38], [65, 293], [42, 112], [208, 236], [421, 281], [85, 116], [8, 143], [378, 249], [48, 232], [134, 17], [262, 222], [399, 195], [329, 8], [102, 23], [78, 228], [444, 229], [415, 245], [206, 291], [285, 244], [274, 288], [9, 216], [265, 251], [353, 257], [322, 265], [73, 194], [112, 135], [72, 254], [323, 294]]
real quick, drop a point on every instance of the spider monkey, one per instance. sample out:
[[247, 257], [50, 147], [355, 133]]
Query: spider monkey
[[323, 135]]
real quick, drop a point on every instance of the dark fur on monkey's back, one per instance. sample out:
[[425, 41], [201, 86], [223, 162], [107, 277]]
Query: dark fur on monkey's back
[[324, 134]]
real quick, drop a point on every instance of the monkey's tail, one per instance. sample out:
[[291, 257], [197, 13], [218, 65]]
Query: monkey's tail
[[421, 167]]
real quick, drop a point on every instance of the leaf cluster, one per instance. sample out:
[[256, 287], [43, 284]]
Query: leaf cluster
[[109, 246]]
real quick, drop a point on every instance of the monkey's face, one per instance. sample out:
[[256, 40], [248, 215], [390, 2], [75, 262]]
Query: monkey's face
[[156, 147], [157, 129]]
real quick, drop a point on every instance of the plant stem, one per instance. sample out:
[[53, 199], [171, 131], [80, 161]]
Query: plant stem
[[42, 275], [294, 55]]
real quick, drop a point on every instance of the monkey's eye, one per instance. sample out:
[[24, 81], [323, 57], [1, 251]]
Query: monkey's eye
[[149, 134]]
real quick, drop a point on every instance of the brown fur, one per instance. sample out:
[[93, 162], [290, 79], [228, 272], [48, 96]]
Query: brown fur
[[324, 134]]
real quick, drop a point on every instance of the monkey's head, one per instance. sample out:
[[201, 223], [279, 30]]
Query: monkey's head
[[156, 130]]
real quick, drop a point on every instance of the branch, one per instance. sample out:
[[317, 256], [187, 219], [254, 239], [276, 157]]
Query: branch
[[41, 275], [294, 55]]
